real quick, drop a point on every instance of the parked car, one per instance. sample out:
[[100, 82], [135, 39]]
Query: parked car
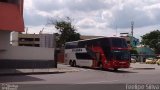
[[133, 60], [158, 62], [150, 61]]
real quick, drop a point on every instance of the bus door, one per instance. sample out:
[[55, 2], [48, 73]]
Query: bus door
[[97, 59], [98, 56]]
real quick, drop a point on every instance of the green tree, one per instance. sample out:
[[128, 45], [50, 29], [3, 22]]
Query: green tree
[[66, 31], [152, 40], [133, 51]]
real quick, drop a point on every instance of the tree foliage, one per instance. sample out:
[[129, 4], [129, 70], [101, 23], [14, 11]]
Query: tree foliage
[[152, 40], [66, 31], [133, 51]]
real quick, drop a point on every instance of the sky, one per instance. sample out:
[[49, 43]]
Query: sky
[[94, 17]]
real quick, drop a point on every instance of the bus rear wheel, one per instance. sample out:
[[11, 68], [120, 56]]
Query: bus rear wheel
[[74, 64], [70, 62]]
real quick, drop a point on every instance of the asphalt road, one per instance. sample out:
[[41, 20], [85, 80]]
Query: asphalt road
[[138, 74]]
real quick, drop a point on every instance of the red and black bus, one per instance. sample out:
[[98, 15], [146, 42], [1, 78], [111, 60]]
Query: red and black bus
[[104, 53]]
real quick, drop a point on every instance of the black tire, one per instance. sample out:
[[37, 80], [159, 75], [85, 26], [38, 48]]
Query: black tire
[[101, 66], [70, 62], [74, 64], [115, 69]]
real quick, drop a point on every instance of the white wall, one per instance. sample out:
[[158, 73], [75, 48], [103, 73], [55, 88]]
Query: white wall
[[14, 38], [47, 40], [8, 52], [27, 53]]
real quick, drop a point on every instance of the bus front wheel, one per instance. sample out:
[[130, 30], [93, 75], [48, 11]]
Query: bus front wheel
[[115, 69], [101, 66], [70, 62]]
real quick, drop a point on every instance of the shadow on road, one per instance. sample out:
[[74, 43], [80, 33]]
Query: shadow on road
[[120, 71], [109, 70], [22, 77], [18, 79], [19, 73], [35, 73]]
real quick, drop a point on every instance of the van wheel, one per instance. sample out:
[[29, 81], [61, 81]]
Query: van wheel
[[70, 62], [115, 69], [74, 64]]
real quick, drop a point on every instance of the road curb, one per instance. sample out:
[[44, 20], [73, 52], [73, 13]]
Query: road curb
[[143, 68]]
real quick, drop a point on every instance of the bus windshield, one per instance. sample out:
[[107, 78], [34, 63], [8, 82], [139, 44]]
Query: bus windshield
[[120, 55], [119, 42]]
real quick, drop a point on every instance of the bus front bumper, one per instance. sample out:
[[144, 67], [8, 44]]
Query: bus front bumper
[[123, 64]]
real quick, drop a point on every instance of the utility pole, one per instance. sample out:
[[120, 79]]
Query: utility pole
[[132, 27]]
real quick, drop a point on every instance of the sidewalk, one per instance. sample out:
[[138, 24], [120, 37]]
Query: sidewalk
[[60, 69], [144, 66]]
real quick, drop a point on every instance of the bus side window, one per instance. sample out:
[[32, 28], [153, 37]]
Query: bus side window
[[81, 44]]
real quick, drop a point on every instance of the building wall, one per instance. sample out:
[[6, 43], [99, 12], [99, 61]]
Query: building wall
[[60, 57], [4, 40], [28, 53], [14, 38], [27, 57], [24, 57], [11, 18], [45, 40]]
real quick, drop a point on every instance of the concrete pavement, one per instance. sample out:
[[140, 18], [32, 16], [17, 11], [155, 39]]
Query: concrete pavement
[[90, 76], [66, 68], [61, 69], [144, 66]]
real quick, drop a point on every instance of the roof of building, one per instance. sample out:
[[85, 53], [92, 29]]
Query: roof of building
[[11, 17]]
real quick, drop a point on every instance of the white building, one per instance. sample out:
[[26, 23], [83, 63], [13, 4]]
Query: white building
[[14, 57], [34, 40]]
